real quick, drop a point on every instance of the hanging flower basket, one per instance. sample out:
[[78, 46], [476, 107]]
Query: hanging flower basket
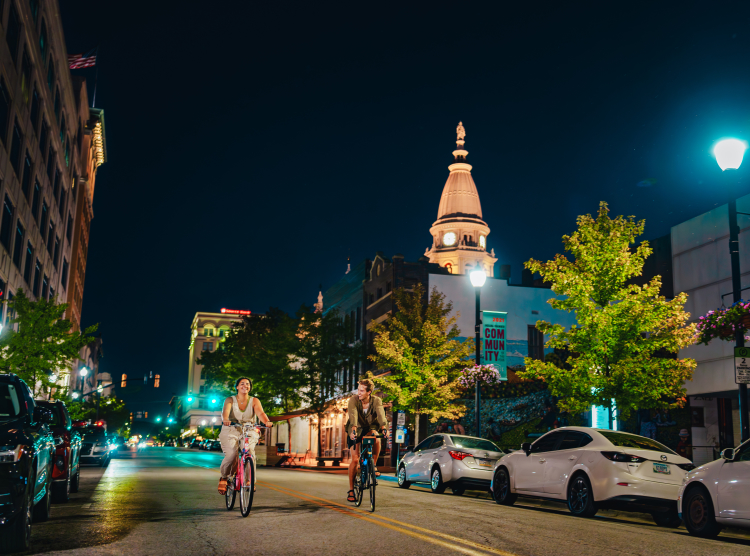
[[723, 322], [482, 374]]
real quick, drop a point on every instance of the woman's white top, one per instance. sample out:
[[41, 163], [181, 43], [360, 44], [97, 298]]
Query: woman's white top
[[247, 416]]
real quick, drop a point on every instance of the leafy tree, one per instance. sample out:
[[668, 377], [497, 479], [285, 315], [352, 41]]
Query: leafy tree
[[259, 347], [111, 409], [419, 344], [44, 344], [322, 353], [625, 343]]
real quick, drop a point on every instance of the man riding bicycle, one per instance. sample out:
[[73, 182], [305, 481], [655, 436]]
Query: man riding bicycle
[[242, 408], [366, 416]]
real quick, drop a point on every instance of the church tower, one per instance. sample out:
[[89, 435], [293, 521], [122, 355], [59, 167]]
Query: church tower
[[459, 235]]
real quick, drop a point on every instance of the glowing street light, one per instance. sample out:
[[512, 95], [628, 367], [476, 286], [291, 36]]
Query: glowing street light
[[478, 277], [53, 378], [75, 395], [83, 372], [203, 422], [729, 153], [213, 419], [190, 399], [158, 419], [170, 420]]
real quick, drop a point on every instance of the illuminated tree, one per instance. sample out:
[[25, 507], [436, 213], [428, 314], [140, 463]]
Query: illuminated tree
[[625, 343]]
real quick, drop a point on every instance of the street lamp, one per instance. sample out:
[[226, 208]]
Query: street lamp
[[729, 154], [75, 395], [478, 277], [158, 419], [83, 372]]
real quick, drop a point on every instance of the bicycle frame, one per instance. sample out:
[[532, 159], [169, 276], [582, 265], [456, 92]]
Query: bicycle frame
[[247, 441]]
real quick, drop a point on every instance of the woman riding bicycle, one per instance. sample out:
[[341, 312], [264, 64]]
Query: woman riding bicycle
[[242, 409], [366, 415]]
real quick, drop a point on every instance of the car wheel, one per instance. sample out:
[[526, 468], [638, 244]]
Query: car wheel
[[42, 508], [16, 535], [501, 488], [75, 482], [401, 478], [698, 513], [458, 491], [436, 481], [667, 519], [61, 491], [581, 497]]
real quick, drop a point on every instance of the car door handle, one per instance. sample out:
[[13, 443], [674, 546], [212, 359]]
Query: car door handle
[[435, 452], [542, 460]]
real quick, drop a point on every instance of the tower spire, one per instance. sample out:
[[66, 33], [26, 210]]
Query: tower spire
[[460, 153]]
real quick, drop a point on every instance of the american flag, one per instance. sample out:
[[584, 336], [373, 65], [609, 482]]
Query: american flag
[[78, 61]]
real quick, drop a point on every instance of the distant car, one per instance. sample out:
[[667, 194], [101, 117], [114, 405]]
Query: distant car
[[96, 445], [194, 443], [215, 446], [66, 472], [592, 469], [717, 494], [27, 453], [450, 460]]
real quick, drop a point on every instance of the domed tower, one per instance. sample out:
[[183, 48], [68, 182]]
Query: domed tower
[[459, 235]]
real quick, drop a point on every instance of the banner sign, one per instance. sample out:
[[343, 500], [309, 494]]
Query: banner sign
[[493, 341]]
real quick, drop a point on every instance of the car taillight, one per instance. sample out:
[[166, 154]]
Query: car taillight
[[686, 466], [459, 455], [619, 456]]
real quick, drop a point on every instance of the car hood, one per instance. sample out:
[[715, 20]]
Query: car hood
[[12, 433], [706, 468]]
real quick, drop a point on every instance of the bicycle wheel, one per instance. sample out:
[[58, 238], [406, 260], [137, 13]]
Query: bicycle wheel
[[358, 490], [372, 486], [231, 493], [246, 491]]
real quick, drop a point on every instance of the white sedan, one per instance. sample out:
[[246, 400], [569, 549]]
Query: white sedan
[[593, 469], [717, 494]]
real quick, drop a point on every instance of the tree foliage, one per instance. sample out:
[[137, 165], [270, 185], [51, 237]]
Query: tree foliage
[[111, 409], [625, 343], [44, 344], [419, 345]]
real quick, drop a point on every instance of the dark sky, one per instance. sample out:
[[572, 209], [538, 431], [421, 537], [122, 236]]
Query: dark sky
[[253, 146]]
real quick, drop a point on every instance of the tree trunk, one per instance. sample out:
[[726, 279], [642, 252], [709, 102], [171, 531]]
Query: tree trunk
[[416, 428], [611, 416]]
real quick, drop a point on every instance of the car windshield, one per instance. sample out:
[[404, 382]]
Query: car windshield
[[624, 440], [93, 433], [10, 404], [474, 443], [55, 413]]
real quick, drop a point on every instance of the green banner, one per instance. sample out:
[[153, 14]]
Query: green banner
[[493, 341]]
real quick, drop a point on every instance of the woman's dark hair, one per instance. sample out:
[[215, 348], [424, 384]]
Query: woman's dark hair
[[237, 384]]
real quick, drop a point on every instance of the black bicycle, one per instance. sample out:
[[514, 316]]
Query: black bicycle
[[365, 479]]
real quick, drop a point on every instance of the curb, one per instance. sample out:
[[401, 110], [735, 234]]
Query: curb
[[388, 478]]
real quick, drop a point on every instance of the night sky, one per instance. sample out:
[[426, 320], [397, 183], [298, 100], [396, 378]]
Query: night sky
[[253, 146]]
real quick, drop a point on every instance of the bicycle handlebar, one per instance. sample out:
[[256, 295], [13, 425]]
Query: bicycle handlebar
[[231, 424]]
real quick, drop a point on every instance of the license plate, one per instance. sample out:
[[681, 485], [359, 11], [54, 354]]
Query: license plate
[[662, 468], [484, 462]]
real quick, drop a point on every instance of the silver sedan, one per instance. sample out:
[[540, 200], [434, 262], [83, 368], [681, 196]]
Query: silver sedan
[[450, 460]]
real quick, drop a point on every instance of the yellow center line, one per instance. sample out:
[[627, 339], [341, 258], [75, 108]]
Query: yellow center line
[[379, 520]]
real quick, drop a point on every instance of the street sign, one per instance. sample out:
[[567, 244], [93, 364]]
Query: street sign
[[401, 420], [742, 365], [400, 434]]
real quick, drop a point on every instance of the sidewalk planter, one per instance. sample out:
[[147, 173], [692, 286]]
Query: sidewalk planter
[[724, 322]]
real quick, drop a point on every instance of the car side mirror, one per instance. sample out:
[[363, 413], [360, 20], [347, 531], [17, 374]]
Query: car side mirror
[[42, 415], [526, 447], [728, 454]]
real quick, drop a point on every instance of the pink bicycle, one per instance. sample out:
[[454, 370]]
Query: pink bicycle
[[244, 479]]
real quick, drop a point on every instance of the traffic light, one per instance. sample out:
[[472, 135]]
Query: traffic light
[[170, 420], [158, 419], [190, 399]]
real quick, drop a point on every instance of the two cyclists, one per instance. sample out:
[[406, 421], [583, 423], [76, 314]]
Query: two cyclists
[[366, 417], [241, 408]]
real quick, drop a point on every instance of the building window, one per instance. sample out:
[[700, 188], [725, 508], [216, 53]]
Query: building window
[[26, 77], [56, 258], [63, 200], [51, 75], [11, 314], [34, 7], [372, 299], [35, 109], [43, 42], [35, 202], [387, 287], [57, 106], [208, 346], [208, 331], [124, 381], [13, 33], [15, 148], [58, 180], [5, 227], [18, 245], [536, 343], [380, 293], [65, 274], [43, 134], [157, 379], [37, 278], [69, 231], [51, 293], [45, 287], [45, 220], [51, 238], [50, 162], [29, 262], [4, 110], [26, 183]]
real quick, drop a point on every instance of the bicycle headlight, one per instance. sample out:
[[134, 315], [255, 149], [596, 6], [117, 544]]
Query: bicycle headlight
[[10, 454]]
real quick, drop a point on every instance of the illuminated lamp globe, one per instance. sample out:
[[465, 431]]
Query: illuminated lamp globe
[[478, 277], [203, 422], [83, 372], [729, 153]]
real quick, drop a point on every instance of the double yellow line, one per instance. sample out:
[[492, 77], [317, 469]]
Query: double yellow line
[[446, 541]]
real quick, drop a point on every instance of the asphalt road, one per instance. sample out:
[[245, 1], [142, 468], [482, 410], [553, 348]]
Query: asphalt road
[[164, 501]]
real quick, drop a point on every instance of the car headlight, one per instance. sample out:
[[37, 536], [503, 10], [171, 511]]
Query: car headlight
[[10, 454]]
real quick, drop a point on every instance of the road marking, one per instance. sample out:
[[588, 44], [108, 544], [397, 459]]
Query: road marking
[[350, 512], [373, 518]]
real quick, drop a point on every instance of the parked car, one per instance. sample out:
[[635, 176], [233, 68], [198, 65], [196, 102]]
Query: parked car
[[26, 457], [214, 446], [194, 443], [593, 469], [717, 494], [95, 447], [450, 460], [66, 472]]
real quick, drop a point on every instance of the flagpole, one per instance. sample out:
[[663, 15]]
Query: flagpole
[[96, 77]]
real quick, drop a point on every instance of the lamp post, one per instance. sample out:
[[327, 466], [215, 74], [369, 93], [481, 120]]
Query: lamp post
[[478, 277], [729, 154], [82, 372]]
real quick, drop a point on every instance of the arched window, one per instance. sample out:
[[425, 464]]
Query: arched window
[[124, 381], [449, 266], [208, 330], [156, 381]]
